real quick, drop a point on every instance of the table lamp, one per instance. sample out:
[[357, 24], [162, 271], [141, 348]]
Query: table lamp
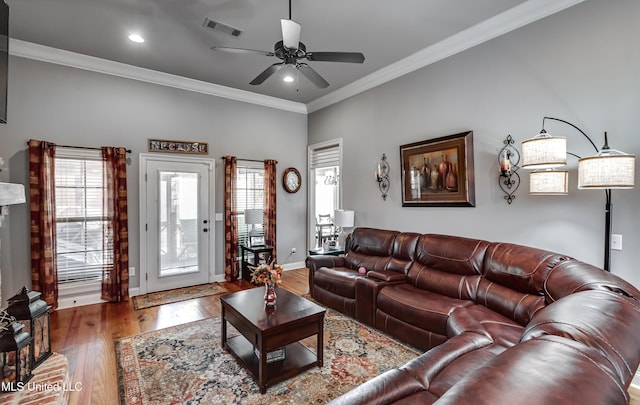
[[343, 219]]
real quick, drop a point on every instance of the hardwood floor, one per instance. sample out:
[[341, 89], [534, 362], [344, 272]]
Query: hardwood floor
[[86, 334]]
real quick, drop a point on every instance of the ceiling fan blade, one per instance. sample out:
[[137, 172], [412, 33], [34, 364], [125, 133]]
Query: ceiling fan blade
[[240, 50], [266, 74], [348, 57], [313, 76], [290, 33]]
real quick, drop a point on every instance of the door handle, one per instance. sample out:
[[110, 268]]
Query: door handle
[[205, 230]]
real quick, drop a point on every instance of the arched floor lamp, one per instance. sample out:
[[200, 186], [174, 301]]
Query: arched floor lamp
[[608, 169]]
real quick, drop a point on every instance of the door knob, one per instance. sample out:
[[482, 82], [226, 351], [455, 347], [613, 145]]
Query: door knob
[[205, 230]]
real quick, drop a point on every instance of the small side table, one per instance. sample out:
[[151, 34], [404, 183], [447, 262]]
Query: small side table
[[256, 251], [332, 252]]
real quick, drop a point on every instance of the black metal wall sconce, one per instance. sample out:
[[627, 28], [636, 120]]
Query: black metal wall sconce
[[382, 176], [508, 159]]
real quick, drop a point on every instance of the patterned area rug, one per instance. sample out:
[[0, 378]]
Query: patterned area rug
[[179, 294], [186, 364]]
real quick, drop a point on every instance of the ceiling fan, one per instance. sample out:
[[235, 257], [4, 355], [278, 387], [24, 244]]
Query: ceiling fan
[[290, 50]]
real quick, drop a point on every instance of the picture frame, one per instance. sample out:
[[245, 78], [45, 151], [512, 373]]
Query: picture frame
[[438, 172], [255, 241], [190, 147]]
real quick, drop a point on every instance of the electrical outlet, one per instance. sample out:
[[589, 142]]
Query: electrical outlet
[[293, 251], [616, 242]]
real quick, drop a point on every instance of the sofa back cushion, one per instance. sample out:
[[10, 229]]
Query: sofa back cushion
[[370, 248], [513, 279], [573, 276], [606, 321], [448, 265], [404, 251]]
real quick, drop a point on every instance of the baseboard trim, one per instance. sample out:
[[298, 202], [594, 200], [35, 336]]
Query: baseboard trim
[[88, 299], [79, 300], [293, 266]]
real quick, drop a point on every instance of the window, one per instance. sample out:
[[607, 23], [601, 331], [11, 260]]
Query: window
[[80, 221], [249, 194]]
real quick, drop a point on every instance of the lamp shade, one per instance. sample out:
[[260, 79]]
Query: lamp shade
[[549, 182], [253, 216], [610, 168], [544, 152], [343, 218], [11, 193]]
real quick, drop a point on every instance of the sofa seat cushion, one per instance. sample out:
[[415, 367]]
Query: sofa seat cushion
[[541, 371], [339, 281], [460, 366], [502, 330], [425, 309]]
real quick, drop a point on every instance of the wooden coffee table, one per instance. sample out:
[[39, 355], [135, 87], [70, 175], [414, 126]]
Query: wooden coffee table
[[266, 329]]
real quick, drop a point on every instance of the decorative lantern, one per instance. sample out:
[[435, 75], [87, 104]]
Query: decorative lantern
[[27, 306], [15, 354]]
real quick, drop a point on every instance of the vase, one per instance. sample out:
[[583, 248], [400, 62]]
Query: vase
[[270, 295]]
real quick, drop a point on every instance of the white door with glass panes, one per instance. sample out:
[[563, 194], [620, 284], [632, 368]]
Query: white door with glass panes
[[176, 229]]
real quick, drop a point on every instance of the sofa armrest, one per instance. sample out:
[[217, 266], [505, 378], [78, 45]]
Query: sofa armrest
[[315, 262], [386, 275]]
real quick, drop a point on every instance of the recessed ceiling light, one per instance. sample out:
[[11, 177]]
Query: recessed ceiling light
[[136, 38]]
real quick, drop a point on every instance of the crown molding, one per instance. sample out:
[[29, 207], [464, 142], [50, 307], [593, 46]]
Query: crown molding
[[43, 53], [507, 21]]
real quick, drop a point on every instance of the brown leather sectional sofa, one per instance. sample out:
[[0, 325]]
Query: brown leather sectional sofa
[[500, 323]]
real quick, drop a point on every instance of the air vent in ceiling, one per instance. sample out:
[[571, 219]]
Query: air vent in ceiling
[[218, 26]]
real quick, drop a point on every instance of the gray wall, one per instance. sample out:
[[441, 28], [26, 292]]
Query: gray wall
[[75, 107], [580, 65]]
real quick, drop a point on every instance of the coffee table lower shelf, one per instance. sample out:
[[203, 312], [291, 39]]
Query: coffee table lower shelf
[[298, 358]]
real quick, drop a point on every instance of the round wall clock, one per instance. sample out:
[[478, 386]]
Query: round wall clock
[[291, 180]]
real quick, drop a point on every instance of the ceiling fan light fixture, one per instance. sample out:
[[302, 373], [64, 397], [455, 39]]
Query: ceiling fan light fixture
[[289, 73]]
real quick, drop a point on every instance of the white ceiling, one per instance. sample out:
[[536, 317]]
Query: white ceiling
[[177, 43]]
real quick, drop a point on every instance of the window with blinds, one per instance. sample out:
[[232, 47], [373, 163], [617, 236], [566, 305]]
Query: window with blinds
[[81, 247], [249, 194], [325, 156]]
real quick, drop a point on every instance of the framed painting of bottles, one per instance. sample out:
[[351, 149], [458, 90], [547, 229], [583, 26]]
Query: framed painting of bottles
[[438, 172]]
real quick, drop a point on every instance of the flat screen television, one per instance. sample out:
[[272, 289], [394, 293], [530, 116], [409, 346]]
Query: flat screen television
[[4, 58]]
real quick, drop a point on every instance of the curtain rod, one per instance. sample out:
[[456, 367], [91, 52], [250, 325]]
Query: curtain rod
[[247, 160], [82, 147]]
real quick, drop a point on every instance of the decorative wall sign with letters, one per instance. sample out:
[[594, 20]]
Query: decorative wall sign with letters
[[161, 145]]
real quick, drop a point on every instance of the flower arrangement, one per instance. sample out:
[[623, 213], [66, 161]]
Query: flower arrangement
[[267, 274]]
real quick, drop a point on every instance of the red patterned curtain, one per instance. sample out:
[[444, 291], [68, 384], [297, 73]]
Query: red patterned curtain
[[231, 270], [115, 278], [44, 271], [270, 205]]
